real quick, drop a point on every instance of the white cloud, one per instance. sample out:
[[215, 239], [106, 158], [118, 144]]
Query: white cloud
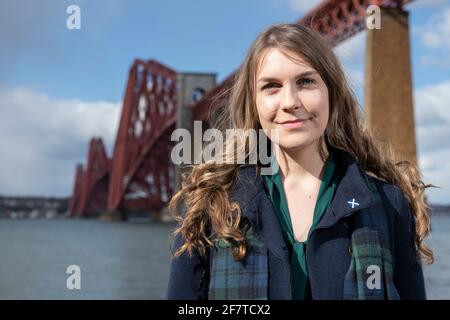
[[435, 168], [434, 61], [436, 33], [352, 50], [303, 6], [433, 103], [433, 131], [43, 138], [351, 54]]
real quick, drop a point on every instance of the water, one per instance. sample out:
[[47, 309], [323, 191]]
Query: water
[[123, 260], [117, 260], [437, 275]]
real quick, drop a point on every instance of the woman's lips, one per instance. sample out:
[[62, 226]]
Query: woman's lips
[[294, 123]]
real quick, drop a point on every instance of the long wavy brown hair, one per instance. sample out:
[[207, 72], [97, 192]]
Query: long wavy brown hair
[[203, 206]]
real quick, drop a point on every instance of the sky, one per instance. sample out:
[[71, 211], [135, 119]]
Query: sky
[[60, 87]]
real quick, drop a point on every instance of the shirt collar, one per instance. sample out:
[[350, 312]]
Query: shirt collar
[[352, 186], [271, 180]]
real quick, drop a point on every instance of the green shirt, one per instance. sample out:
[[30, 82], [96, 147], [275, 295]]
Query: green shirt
[[297, 250]]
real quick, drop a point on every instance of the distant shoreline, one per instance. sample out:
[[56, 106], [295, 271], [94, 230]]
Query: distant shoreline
[[57, 206]]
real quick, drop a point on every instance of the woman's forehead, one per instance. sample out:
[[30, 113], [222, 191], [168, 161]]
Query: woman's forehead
[[274, 60]]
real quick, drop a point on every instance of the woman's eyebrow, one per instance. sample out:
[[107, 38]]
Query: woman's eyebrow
[[303, 74]]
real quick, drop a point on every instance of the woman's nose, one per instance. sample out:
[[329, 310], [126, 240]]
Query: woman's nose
[[290, 100]]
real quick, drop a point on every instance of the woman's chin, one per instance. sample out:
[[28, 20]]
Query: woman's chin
[[293, 145]]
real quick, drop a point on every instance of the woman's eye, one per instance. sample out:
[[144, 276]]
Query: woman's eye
[[306, 81], [269, 86]]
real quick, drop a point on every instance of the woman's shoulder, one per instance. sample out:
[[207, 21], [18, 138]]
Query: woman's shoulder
[[391, 193], [247, 178], [247, 184]]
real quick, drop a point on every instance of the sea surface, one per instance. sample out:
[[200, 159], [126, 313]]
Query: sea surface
[[118, 260]]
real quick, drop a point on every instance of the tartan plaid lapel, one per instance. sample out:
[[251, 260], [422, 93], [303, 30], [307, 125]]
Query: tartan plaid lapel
[[371, 255], [255, 205], [236, 280], [247, 279]]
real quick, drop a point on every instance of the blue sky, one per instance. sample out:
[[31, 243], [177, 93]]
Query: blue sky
[[58, 87], [203, 36], [92, 63]]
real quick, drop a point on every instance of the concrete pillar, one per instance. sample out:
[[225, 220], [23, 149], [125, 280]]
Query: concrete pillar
[[190, 89], [388, 84]]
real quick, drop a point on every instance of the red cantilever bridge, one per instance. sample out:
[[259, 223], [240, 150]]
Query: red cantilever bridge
[[140, 177]]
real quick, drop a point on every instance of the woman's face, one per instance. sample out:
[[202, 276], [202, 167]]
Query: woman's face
[[291, 100]]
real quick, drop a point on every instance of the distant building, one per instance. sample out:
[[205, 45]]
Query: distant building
[[32, 207]]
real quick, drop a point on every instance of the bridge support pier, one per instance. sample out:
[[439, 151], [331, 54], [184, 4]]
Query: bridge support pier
[[388, 84], [190, 89]]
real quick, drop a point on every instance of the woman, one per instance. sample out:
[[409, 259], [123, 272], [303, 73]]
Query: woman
[[339, 219]]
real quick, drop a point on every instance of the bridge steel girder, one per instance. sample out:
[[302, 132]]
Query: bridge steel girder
[[75, 199], [142, 174], [94, 189]]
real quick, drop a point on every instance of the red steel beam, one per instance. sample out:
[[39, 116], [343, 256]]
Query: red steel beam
[[75, 200], [338, 20], [141, 164], [96, 180]]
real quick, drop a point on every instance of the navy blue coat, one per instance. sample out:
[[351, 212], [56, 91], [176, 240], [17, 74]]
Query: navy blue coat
[[328, 255]]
